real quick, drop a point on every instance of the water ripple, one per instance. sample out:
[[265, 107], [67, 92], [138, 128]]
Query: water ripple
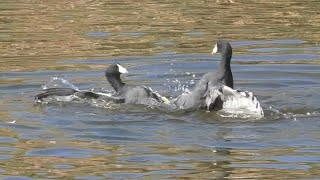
[[66, 152]]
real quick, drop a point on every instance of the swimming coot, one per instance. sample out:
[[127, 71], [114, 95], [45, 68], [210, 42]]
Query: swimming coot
[[130, 94], [214, 91], [223, 76]]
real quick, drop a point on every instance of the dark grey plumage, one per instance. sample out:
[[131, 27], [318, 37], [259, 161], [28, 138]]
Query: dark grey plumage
[[132, 94], [65, 92], [215, 90], [82, 94], [223, 76]]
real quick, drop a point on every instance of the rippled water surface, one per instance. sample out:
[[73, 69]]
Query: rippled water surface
[[165, 45]]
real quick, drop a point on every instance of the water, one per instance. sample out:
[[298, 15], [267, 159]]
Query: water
[[165, 45]]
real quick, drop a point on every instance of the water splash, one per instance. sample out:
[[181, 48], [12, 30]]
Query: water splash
[[176, 86], [294, 114], [57, 82], [179, 86]]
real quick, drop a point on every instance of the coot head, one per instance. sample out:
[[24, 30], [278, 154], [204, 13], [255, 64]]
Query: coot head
[[222, 47], [115, 69], [113, 73]]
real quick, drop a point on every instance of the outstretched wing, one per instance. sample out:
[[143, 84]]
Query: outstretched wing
[[55, 92], [213, 98], [234, 101], [193, 100], [154, 95], [78, 93]]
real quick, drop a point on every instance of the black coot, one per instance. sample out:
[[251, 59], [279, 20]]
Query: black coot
[[214, 91]]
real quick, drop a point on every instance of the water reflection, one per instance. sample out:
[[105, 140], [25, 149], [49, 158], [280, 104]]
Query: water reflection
[[165, 45], [148, 143]]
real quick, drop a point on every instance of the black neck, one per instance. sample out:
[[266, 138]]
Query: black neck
[[226, 58], [225, 67], [115, 82]]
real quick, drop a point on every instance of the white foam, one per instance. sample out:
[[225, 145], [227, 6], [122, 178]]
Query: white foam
[[57, 82], [241, 102]]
